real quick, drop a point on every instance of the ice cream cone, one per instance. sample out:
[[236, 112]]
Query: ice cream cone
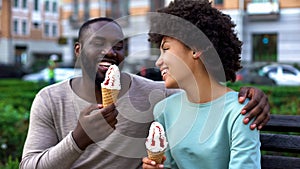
[[109, 96], [156, 156]]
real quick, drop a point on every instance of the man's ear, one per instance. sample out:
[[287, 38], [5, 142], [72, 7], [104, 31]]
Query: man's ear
[[77, 49]]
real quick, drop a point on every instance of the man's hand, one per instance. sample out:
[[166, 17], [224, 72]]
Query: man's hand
[[95, 124], [258, 107]]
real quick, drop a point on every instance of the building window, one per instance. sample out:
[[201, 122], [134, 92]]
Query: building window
[[218, 2], [16, 3], [24, 27], [156, 4], [24, 4], [119, 8], [264, 47], [54, 30], [54, 7], [47, 6], [36, 5], [16, 25], [46, 29], [36, 25], [260, 1]]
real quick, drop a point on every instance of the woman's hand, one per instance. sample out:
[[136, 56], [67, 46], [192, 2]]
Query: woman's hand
[[149, 164]]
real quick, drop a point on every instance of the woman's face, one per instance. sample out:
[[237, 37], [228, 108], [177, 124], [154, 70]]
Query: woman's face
[[176, 62]]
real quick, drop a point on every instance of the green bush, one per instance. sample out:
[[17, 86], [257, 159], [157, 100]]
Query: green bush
[[16, 97], [283, 99], [11, 164]]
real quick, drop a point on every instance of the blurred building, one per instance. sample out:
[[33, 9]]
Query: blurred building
[[29, 31], [32, 30], [131, 14], [269, 29]]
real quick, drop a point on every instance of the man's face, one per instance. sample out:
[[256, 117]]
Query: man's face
[[102, 45]]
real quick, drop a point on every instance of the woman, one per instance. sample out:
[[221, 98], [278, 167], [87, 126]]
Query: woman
[[202, 123]]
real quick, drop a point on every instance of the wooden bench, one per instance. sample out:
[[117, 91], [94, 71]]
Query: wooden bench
[[281, 136]]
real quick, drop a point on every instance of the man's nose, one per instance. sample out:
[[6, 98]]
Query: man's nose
[[109, 52]]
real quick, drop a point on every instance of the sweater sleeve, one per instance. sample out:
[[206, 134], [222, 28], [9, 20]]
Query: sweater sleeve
[[245, 146], [42, 149]]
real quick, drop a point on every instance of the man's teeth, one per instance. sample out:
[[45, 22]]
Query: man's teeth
[[163, 72], [105, 64]]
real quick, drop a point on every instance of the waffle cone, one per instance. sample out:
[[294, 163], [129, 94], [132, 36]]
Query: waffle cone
[[156, 156], [109, 96]]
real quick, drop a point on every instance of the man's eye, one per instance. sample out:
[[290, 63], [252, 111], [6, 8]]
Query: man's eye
[[118, 47], [165, 48], [99, 44]]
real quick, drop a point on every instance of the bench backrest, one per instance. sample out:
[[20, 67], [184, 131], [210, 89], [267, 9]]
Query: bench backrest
[[281, 138]]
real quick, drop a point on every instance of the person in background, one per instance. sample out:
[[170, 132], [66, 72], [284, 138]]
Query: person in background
[[52, 64], [202, 122], [69, 127]]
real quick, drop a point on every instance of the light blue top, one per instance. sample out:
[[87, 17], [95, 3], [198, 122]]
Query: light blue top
[[209, 136]]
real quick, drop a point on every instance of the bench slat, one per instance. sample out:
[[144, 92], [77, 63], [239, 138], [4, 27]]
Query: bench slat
[[279, 162], [280, 142], [283, 142], [284, 123]]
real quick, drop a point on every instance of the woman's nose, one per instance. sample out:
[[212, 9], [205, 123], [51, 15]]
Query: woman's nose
[[159, 61]]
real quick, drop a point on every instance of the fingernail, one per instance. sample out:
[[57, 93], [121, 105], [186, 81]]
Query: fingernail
[[253, 126], [100, 106], [153, 162], [161, 166], [246, 120], [259, 127], [243, 111]]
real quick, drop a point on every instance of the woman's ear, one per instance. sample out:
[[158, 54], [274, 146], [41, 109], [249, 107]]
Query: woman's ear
[[196, 55]]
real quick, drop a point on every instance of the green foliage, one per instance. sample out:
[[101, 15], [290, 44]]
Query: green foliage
[[283, 99], [16, 97], [11, 164]]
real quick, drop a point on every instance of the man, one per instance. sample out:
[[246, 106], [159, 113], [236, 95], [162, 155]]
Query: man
[[69, 128]]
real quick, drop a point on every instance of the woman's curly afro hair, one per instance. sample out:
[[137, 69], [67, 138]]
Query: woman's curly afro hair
[[216, 26]]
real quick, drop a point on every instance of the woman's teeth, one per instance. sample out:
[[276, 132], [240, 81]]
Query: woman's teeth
[[163, 72]]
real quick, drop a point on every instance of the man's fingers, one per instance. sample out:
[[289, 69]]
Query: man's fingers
[[112, 120], [107, 110], [264, 122], [243, 92], [262, 119], [251, 106], [89, 109]]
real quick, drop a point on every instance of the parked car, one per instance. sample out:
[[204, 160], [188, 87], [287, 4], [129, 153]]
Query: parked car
[[11, 71], [283, 74], [150, 73], [60, 74], [252, 75]]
